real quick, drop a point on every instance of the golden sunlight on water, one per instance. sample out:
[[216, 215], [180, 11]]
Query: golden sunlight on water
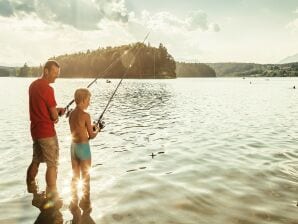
[[173, 151]]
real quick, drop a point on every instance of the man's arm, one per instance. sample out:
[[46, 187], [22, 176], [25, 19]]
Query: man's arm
[[54, 114]]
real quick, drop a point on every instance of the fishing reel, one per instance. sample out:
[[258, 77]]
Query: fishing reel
[[68, 111], [100, 124]]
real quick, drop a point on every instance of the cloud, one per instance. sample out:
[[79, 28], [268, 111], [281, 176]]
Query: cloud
[[88, 14], [159, 21], [81, 14], [293, 25], [197, 20], [165, 21], [68, 26], [34, 41], [214, 27], [6, 8]]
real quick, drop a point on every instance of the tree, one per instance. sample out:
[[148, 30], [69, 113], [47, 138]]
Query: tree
[[24, 71]]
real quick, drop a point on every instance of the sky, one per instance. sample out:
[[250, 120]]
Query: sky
[[258, 31]]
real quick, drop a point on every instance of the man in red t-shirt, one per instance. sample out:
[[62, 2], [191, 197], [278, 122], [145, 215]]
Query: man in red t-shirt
[[43, 116]]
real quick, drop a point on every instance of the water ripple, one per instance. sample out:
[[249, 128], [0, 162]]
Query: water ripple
[[173, 151]]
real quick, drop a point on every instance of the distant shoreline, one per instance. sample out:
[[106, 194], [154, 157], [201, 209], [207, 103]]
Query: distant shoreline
[[199, 70]]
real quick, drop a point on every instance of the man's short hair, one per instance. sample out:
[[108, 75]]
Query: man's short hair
[[48, 65], [81, 94]]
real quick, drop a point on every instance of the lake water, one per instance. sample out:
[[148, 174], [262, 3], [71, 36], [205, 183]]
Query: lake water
[[226, 151]]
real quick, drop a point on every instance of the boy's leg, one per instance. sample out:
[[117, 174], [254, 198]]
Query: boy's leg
[[74, 181], [73, 207], [85, 203]]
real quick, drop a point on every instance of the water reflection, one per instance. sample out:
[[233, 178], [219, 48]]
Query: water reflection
[[52, 214], [230, 152], [86, 218], [49, 216], [79, 218]]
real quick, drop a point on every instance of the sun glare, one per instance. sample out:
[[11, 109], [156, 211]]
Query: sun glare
[[80, 188], [80, 184]]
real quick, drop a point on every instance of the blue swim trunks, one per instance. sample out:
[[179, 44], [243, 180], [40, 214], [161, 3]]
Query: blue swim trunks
[[80, 151]]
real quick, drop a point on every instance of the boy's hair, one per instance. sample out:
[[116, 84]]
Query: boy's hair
[[81, 94]]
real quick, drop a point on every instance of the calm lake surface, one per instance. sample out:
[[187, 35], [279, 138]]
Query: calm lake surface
[[226, 151]]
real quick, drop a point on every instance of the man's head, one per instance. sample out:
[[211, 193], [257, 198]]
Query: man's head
[[51, 71], [82, 97]]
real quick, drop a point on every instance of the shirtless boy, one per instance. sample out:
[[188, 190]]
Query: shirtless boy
[[81, 130]]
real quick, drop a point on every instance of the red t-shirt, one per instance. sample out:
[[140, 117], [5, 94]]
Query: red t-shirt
[[41, 98]]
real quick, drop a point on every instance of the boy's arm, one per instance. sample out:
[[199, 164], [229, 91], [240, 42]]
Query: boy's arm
[[92, 134]]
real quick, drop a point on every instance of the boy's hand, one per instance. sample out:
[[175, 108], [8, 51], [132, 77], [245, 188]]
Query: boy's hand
[[95, 128]]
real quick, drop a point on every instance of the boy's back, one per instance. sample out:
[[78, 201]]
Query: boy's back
[[78, 122], [81, 131]]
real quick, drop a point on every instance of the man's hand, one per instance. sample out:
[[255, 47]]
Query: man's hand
[[60, 111]]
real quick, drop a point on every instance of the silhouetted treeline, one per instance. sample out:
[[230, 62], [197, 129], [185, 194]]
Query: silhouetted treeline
[[194, 70], [26, 71], [7, 71], [4, 72], [255, 70], [146, 61]]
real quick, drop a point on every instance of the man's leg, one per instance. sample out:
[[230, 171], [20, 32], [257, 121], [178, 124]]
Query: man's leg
[[31, 175], [32, 187], [52, 195], [33, 168], [51, 178], [50, 152]]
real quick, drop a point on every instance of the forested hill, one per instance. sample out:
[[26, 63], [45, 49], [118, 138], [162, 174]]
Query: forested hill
[[7, 71], [194, 70], [254, 70], [148, 62]]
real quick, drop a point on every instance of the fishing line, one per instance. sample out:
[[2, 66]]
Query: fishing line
[[99, 122], [104, 73]]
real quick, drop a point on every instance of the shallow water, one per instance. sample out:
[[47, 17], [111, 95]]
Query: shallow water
[[225, 151]]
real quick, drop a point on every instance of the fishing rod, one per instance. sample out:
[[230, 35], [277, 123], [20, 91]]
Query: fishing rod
[[98, 76], [91, 83], [99, 122]]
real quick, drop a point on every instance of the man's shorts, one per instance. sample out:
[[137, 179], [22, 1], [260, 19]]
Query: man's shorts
[[46, 150], [80, 151]]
